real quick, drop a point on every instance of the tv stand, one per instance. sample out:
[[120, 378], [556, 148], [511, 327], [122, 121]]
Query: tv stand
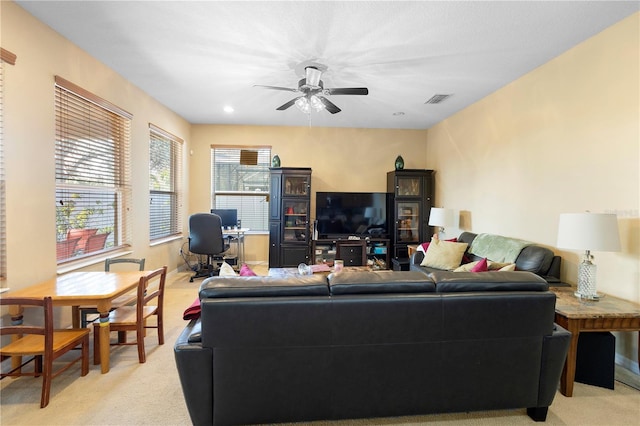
[[376, 250]]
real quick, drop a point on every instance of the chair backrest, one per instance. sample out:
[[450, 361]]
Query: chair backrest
[[148, 290], [66, 248], [109, 262], [83, 234], [96, 242], [45, 330], [205, 234]]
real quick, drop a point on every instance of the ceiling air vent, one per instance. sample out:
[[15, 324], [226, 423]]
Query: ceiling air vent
[[436, 99]]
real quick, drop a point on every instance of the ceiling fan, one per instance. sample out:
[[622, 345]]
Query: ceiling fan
[[312, 91]]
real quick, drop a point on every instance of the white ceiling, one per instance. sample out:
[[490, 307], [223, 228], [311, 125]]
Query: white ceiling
[[197, 57]]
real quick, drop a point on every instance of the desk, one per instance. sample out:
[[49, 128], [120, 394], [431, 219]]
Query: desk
[[576, 315], [238, 235], [81, 289]]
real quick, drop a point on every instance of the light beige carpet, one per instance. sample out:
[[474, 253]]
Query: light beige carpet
[[138, 394]]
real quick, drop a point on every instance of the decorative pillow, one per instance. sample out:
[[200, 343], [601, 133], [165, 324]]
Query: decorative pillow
[[481, 266], [466, 267], [472, 266], [226, 270], [495, 266], [443, 254], [245, 271], [509, 267], [424, 246]]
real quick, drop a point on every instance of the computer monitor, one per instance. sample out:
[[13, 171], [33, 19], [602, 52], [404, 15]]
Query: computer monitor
[[229, 217]]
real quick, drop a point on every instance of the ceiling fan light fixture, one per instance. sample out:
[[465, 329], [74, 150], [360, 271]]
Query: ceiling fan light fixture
[[316, 103], [303, 105]]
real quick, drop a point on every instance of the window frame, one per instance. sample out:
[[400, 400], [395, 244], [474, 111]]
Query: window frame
[[252, 197], [176, 146], [93, 171]]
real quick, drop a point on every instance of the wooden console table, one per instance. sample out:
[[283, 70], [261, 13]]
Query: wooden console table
[[576, 315]]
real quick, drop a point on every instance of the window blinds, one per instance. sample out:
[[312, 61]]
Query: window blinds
[[93, 172], [3, 239], [165, 183], [240, 186]]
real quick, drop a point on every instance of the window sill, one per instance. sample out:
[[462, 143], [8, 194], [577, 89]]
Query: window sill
[[165, 240]]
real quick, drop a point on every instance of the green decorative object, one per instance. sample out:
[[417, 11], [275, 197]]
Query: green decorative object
[[399, 162], [275, 161]]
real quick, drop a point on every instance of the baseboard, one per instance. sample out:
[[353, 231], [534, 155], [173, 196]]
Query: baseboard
[[627, 363]]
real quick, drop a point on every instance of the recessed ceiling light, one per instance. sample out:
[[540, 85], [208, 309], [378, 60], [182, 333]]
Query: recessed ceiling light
[[398, 113], [228, 109]]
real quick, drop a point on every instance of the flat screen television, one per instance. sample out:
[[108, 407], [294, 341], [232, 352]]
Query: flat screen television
[[362, 214]]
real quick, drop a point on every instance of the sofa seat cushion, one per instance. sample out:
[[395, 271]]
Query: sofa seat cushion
[[379, 282], [452, 282], [259, 286]]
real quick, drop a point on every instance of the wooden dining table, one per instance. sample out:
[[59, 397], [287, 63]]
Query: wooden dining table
[[76, 289]]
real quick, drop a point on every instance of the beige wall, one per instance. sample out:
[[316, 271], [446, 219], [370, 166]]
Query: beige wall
[[564, 138], [340, 159], [29, 135]]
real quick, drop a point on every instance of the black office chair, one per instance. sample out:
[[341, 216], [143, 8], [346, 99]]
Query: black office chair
[[205, 238]]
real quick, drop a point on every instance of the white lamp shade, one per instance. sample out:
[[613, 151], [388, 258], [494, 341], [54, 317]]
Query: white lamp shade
[[589, 231], [441, 217]]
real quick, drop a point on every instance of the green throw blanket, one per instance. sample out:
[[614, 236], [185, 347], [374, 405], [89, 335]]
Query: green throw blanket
[[497, 248]]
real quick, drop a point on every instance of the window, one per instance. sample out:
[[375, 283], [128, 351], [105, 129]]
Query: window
[[240, 180], [165, 173], [93, 173], [10, 58]]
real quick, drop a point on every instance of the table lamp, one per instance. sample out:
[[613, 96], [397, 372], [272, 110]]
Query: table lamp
[[441, 217], [588, 231]]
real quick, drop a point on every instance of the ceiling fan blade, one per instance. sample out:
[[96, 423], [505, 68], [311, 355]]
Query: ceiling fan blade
[[288, 104], [348, 91], [330, 106], [287, 89]]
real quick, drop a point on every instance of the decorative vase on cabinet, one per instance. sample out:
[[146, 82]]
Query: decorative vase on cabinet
[[289, 220]]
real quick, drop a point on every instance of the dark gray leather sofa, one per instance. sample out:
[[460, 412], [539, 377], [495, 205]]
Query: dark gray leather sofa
[[370, 344], [533, 258]]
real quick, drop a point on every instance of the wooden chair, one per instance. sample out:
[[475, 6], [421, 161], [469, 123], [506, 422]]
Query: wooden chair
[[96, 242], [43, 343], [134, 318], [125, 299], [66, 248], [82, 234]]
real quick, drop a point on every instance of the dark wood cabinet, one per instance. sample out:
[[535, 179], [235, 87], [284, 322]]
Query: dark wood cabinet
[[372, 252], [352, 252], [289, 221], [412, 191]]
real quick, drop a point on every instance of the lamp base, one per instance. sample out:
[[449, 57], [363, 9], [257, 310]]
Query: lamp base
[[592, 297], [587, 280]]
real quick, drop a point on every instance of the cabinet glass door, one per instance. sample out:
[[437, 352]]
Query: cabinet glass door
[[296, 185], [407, 226], [295, 221], [408, 186]]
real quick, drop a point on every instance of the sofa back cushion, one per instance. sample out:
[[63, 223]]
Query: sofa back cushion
[[258, 286], [535, 259], [379, 282], [447, 282]]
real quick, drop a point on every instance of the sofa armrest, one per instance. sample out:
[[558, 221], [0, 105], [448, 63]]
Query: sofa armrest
[[195, 368], [554, 355]]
